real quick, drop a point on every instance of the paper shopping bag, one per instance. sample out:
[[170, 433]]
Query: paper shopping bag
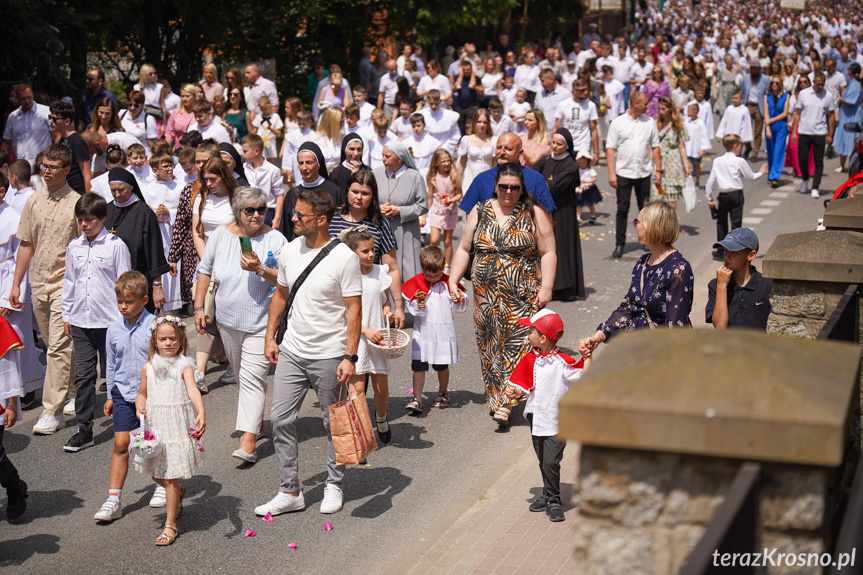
[[351, 430]]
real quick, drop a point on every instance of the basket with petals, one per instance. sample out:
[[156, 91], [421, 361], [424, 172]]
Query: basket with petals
[[144, 441], [393, 345]]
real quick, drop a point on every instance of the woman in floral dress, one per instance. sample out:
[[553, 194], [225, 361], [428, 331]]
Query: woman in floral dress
[[513, 276], [661, 291], [672, 144]]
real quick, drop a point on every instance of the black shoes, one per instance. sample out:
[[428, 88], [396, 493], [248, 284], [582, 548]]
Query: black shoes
[[719, 255], [384, 436], [81, 440], [28, 401], [618, 252], [17, 501], [554, 510], [539, 504]]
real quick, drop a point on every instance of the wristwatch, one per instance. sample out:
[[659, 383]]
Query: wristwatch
[[352, 358], [260, 273]]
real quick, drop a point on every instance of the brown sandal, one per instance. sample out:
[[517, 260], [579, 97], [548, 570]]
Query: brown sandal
[[165, 539], [501, 416]]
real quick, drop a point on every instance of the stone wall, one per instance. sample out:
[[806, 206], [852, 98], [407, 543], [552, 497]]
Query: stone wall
[[642, 513], [801, 308]]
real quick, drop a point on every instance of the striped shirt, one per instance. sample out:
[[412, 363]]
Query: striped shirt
[[243, 299], [384, 238]]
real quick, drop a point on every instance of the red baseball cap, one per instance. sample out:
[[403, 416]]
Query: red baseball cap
[[547, 322]]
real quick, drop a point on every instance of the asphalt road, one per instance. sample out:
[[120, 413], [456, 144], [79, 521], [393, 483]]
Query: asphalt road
[[432, 462]]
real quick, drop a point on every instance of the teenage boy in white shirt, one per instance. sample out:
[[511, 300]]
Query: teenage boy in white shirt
[[206, 126], [265, 176]]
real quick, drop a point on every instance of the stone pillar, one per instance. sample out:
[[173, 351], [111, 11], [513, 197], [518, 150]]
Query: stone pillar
[[667, 417]]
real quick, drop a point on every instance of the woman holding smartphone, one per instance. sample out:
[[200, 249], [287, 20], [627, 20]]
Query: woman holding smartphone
[[242, 303]]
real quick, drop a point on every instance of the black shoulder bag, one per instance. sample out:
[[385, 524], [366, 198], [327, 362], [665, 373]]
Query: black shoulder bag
[[283, 322]]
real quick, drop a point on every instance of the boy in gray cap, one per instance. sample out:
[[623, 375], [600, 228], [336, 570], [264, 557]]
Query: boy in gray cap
[[740, 295]]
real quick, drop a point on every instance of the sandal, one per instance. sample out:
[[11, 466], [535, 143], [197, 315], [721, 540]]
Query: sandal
[[414, 406], [165, 539], [501, 416], [441, 401], [180, 502]]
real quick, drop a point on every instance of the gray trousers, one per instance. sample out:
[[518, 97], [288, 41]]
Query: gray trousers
[[293, 378]]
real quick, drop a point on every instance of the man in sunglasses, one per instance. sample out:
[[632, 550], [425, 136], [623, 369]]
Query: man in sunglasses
[[62, 122], [28, 129], [91, 95]]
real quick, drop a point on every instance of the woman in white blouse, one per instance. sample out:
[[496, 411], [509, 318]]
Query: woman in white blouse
[[492, 78], [137, 122], [328, 136], [148, 83], [434, 80]]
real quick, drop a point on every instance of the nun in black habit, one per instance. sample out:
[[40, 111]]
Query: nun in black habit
[[231, 156], [314, 178], [352, 161], [132, 220], [560, 171]]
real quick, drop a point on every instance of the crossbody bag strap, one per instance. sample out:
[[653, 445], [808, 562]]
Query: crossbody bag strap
[[643, 299], [283, 321], [216, 253]]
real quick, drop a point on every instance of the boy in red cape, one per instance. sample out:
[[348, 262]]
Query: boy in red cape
[[545, 373]]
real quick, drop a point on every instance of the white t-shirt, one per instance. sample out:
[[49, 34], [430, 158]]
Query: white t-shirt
[[100, 185], [576, 117], [633, 140], [317, 320], [814, 107], [217, 212], [266, 134], [143, 127], [214, 130], [152, 93]]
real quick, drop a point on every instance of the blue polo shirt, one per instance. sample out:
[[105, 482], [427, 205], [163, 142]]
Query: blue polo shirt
[[482, 188]]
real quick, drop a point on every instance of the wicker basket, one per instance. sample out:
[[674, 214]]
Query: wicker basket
[[391, 336]]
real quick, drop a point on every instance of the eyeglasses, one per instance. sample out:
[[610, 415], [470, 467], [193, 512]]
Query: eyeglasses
[[635, 222], [49, 168], [300, 216], [508, 188], [53, 118], [260, 210]]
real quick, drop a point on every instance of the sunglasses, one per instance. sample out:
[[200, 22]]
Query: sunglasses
[[508, 188], [635, 222], [250, 212], [133, 106]]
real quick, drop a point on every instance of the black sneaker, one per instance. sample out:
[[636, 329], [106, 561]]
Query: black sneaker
[[81, 440], [539, 504], [28, 401], [17, 501], [554, 510], [618, 252], [719, 255]]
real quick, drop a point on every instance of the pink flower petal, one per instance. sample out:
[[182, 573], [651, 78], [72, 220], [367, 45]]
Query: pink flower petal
[[268, 518], [248, 517], [249, 533], [328, 526], [410, 391], [292, 546]]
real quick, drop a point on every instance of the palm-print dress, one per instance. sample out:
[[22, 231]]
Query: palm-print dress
[[506, 280], [183, 246]]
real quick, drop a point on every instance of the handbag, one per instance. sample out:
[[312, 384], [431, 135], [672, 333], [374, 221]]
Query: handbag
[[210, 297], [351, 429], [154, 111], [689, 194], [283, 321]]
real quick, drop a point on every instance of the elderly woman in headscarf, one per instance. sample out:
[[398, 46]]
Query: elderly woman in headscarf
[[132, 220], [403, 198], [351, 162], [232, 157], [313, 170], [560, 171]]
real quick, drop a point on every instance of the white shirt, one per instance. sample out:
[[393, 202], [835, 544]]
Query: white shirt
[[505, 125], [152, 93], [633, 141], [443, 125], [401, 127], [273, 122], [214, 130], [422, 148], [366, 110], [143, 127], [263, 87], [835, 84], [439, 83], [100, 185], [29, 132], [268, 178], [622, 68], [92, 269], [577, 117], [697, 136], [614, 94], [527, 77], [374, 149], [814, 107], [727, 174], [548, 101], [317, 320], [552, 378], [217, 212], [735, 120], [389, 88], [17, 198], [122, 139]]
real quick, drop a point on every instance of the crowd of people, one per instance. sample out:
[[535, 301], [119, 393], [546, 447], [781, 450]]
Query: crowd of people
[[211, 204]]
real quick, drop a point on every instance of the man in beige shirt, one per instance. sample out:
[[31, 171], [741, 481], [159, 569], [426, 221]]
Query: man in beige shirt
[[47, 226]]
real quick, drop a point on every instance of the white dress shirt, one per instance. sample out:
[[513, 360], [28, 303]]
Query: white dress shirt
[[29, 132], [263, 87], [633, 141], [92, 269], [736, 120], [268, 178], [727, 174], [548, 101]]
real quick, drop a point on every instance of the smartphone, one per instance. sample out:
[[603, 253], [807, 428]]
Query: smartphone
[[245, 244]]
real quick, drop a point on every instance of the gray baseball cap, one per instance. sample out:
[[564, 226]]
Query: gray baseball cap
[[739, 239]]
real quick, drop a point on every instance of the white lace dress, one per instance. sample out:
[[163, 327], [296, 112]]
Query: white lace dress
[[170, 413], [478, 160], [375, 285]]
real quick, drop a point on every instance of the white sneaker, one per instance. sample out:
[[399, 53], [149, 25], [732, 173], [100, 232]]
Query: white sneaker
[[110, 511], [803, 187], [229, 375], [69, 408], [159, 498], [333, 499], [282, 503], [816, 193], [839, 170], [48, 424]]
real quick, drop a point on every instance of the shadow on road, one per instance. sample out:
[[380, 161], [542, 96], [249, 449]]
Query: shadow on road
[[379, 483], [44, 504], [18, 551], [15, 442]]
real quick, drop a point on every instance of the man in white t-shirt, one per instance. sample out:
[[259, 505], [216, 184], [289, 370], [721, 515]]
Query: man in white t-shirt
[[641, 69], [632, 140], [814, 123], [319, 348], [28, 129], [579, 116]]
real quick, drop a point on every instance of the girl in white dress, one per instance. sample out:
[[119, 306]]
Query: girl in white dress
[[163, 197], [476, 152], [376, 282], [166, 398]]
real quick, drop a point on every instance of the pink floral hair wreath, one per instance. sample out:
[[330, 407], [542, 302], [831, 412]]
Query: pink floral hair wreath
[[166, 319]]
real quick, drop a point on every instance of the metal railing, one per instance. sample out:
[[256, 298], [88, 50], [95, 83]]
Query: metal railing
[[732, 528]]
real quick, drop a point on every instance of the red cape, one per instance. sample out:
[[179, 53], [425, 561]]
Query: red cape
[[522, 375], [419, 284]]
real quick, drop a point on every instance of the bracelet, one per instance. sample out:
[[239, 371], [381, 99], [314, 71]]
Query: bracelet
[[157, 284], [197, 309]]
